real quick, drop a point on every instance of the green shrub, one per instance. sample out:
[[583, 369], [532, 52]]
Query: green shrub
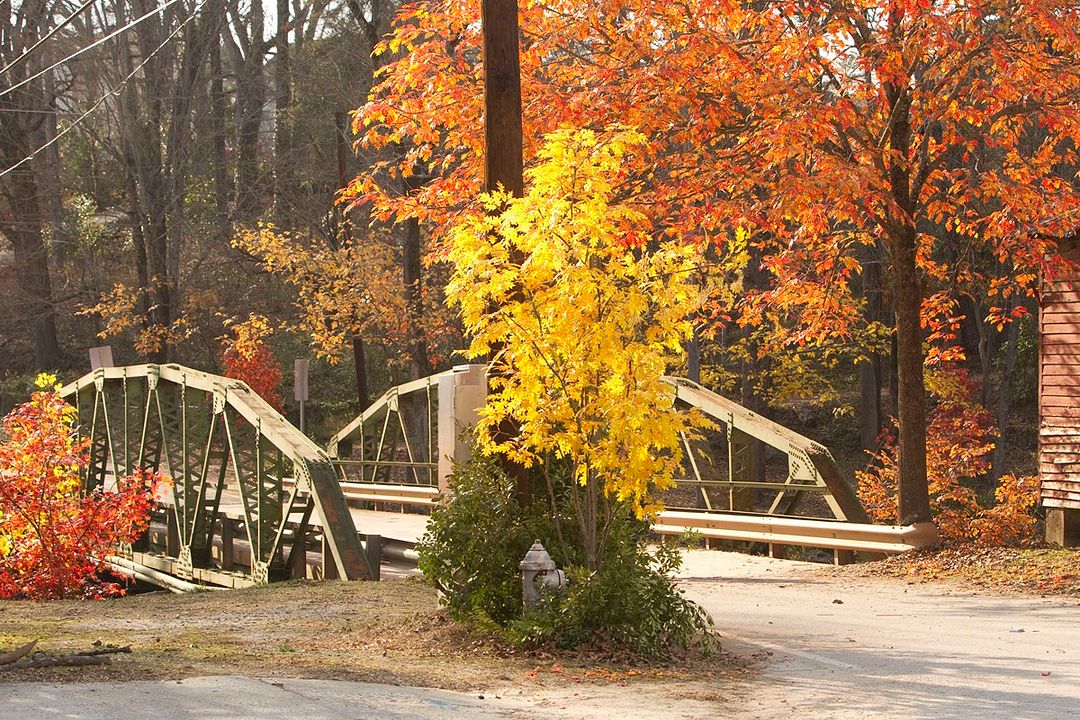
[[631, 603], [474, 544]]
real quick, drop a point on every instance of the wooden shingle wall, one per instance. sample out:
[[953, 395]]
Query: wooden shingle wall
[[1059, 401]]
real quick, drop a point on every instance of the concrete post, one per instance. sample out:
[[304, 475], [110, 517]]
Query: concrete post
[[1063, 527], [461, 395]]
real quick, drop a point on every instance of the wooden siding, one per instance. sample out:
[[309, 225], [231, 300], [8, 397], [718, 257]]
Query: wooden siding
[[1059, 391]]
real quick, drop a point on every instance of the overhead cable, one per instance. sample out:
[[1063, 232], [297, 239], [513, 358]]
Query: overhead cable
[[116, 90], [91, 46], [39, 43]]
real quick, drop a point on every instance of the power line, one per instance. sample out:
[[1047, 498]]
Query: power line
[[92, 45], [116, 90], [48, 35]]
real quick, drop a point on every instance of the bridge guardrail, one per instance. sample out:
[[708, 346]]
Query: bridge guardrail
[[777, 532]]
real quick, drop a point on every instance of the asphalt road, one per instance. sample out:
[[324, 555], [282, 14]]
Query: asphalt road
[[235, 698], [887, 649]]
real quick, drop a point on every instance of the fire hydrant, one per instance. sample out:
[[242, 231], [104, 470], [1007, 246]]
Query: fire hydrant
[[537, 568]]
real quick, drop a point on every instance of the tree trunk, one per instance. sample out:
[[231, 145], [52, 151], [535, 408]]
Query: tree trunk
[[218, 105], [282, 125], [32, 261], [49, 169], [914, 493], [914, 497], [21, 123], [413, 283], [997, 469], [250, 99], [360, 363]]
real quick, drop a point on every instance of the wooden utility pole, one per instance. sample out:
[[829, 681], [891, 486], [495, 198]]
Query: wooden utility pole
[[502, 97], [503, 146]]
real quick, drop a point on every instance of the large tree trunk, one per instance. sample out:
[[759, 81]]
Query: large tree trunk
[[21, 122], [914, 494], [914, 497], [218, 105], [250, 99], [49, 178], [31, 258]]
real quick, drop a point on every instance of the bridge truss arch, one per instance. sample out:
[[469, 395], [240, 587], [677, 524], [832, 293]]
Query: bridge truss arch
[[238, 468]]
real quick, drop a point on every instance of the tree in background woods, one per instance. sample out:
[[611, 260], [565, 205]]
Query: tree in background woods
[[920, 138], [27, 186], [234, 113]]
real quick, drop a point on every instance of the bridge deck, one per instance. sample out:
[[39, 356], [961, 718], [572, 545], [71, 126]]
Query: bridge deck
[[402, 527]]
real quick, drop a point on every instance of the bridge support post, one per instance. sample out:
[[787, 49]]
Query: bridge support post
[[227, 556], [373, 551], [172, 534], [330, 571], [741, 468], [461, 395]]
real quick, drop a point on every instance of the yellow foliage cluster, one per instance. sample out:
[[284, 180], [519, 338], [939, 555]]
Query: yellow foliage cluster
[[249, 335], [341, 292], [582, 316], [118, 309]]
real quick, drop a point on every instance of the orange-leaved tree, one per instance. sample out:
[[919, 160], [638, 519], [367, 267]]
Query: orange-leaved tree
[[247, 357], [926, 132], [54, 537], [348, 294]]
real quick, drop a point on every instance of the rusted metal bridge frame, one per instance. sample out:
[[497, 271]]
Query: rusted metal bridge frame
[[205, 432]]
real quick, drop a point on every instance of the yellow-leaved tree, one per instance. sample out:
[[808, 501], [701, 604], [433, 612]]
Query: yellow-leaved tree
[[582, 315], [341, 292]]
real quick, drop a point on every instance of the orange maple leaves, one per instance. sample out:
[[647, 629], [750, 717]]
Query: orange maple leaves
[[246, 357], [782, 118], [53, 535]]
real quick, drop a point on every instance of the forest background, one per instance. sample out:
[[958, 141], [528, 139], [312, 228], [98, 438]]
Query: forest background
[[199, 178]]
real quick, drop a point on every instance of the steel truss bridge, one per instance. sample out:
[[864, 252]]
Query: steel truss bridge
[[254, 500]]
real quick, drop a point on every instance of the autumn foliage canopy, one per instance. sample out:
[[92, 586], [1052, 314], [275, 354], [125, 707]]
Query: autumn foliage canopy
[[934, 140], [53, 535]]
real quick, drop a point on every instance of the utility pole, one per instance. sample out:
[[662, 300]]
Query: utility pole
[[503, 147], [502, 97]]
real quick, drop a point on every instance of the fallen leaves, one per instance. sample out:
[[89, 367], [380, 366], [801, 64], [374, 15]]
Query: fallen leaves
[[1038, 571]]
